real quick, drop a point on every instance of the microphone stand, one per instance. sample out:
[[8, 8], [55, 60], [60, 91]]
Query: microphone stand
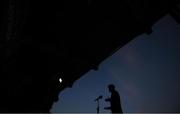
[[97, 106]]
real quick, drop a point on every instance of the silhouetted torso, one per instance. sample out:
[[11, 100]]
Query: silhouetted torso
[[115, 102]]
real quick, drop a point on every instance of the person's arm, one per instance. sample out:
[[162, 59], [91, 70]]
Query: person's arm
[[108, 99], [107, 108]]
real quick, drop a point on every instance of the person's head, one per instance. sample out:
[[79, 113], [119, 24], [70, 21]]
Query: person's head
[[111, 87]]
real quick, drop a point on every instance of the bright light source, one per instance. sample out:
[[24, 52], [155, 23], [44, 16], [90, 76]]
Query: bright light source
[[60, 80]]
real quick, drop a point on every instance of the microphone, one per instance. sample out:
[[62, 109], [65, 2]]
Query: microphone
[[100, 97]]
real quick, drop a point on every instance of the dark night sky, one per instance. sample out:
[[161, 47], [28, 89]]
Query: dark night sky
[[146, 73]]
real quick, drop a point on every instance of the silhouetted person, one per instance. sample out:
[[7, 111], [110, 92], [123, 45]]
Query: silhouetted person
[[114, 100]]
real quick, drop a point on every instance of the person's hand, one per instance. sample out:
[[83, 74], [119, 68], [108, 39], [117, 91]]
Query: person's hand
[[108, 99], [107, 108]]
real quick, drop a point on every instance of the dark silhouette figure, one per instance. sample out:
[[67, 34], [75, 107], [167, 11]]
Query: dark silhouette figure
[[114, 100]]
